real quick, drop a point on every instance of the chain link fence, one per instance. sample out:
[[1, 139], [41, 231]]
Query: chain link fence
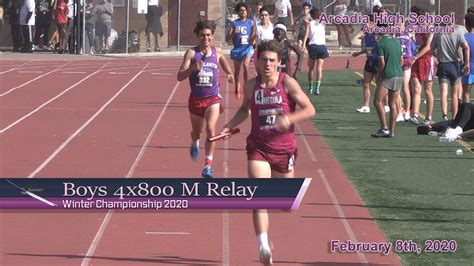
[[171, 22]]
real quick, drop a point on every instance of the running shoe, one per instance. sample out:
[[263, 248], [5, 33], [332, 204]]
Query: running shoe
[[316, 92], [363, 109], [407, 117], [400, 118], [445, 117], [382, 133], [207, 172], [427, 122], [266, 256], [194, 152], [414, 120]]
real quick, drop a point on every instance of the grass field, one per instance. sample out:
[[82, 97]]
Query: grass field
[[415, 187]]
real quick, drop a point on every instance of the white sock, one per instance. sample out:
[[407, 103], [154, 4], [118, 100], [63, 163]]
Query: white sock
[[196, 143], [262, 240]]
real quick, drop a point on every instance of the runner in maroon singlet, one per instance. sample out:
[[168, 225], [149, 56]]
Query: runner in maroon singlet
[[271, 99]]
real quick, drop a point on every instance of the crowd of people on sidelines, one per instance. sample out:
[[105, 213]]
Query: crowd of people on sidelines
[[423, 56], [56, 25]]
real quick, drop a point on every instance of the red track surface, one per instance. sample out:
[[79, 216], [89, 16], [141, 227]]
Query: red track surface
[[130, 119]]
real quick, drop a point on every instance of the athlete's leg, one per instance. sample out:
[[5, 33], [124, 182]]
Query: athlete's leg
[[428, 85], [211, 116], [261, 169], [197, 123], [368, 77], [246, 64], [443, 93], [466, 89], [379, 98], [237, 66], [456, 90]]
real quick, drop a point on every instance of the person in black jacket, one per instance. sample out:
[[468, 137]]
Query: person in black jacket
[[153, 26]]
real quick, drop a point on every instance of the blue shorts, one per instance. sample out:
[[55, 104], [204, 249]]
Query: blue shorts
[[318, 51], [239, 53], [468, 79], [449, 72]]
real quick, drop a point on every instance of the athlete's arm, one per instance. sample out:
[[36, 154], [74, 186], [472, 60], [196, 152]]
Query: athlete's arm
[[230, 32], [306, 109], [294, 47], [244, 110], [187, 67], [225, 65], [306, 34]]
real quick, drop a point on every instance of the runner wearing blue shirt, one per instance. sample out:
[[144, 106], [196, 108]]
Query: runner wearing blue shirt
[[242, 34]]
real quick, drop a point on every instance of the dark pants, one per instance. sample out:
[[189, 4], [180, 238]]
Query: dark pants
[[17, 37], [464, 118], [27, 31], [90, 35], [42, 29]]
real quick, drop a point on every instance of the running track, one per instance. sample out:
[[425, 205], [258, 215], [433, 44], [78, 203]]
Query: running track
[[128, 118]]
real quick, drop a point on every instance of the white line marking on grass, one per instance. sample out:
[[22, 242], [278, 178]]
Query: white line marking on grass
[[167, 233], [36, 78], [15, 68], [49, 101], [103, 225], [340, 213]]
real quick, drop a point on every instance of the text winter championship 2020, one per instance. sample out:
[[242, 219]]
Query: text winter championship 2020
[[413, 23]]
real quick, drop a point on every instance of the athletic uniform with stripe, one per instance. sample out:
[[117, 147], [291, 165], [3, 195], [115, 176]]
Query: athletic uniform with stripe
[[265, 143], [407, 53], [423, 68], [241, 39], [205, 83]]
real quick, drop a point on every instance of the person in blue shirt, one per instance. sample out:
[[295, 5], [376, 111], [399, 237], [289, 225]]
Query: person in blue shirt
[[370, 68], [242, 33], [468, 79]]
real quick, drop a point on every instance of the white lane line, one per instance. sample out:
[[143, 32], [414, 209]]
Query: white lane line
[[167, 233], [36, 78], [108, 216], [152, 132], [306, 144], [15, 68], [164, 74], [30, 71], [340, 213], [74, 72], [225, 213], [49, 101], [72, 136], [335, 202], [118, 73]]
